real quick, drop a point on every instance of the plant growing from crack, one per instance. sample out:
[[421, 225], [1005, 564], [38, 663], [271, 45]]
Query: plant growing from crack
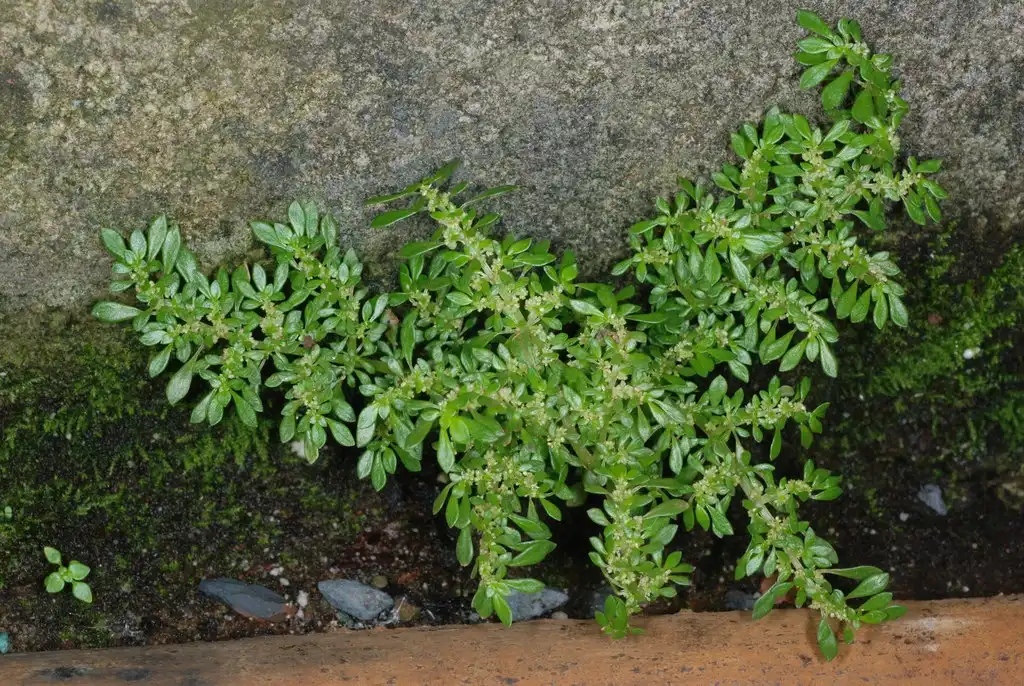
[[534, 391]]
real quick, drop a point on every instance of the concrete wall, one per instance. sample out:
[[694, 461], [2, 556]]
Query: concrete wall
[[112, 111]]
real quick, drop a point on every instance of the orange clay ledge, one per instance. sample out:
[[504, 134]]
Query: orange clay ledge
[[942, 642]]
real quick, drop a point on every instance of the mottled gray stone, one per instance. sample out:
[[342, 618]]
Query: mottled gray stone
[[357, 600], [249, 600], [531, 605], [217, 112]]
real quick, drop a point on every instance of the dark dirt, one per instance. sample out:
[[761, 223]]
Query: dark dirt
[[975, 550]]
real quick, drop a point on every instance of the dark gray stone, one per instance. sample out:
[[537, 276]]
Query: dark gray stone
[[593, 107], [357, 600], [249, 600], [531, 605], [739, 600]]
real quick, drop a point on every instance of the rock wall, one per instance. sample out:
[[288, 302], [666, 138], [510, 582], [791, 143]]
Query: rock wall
[[219, 111]]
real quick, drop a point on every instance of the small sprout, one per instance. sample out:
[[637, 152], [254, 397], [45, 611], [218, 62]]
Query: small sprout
[[72, 574]]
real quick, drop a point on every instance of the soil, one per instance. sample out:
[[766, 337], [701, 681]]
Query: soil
[[975, 550]]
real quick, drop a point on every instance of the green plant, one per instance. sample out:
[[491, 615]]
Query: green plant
[[72, 574], [532, 388]]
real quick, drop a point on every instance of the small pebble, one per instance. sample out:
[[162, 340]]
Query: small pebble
[[248, 600], [407, 612], [357, 600], [379, 581], [559, 615], [302, 599], [739, 600], [931, 495], [531, 605]]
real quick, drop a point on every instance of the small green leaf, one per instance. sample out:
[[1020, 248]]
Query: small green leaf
[[531, 553], [81, 590], [813, 23], [52, 555], [78, 570], [157, 234], [464, 547], [860, 310], [114, 243], [812, 76], [389, 218], [792, 358], [875, 583], [502, 609], [445, 452], [863, 107], [847, 301], [366, 424], [408, 336], [410, 250], [584, 308], [419, 433], [245, 411], [525, 585], [739, 269], [54, 583], [827, 640], [898, 311], [712, 269], [857, 573], [833, 95], [491, 193], [828, 360], [178, 386], [111, 312], [341, 433], [286, 428], [881, 313], [159, 361]]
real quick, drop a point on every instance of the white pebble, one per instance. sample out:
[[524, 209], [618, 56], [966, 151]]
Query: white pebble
[[904, 516], [284, 582], [302, 599]]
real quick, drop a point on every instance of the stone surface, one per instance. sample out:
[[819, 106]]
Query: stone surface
[[357, 600], [531, 605], [249, 600], [113, 111]]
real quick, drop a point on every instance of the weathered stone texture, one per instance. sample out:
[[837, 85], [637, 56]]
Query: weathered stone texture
[[217, 111]]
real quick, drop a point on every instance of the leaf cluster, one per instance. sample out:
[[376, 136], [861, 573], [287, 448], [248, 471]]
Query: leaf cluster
[[72, 574], [535, 391]]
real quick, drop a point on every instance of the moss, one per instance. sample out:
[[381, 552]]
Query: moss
[[94, 462], [948, 391]]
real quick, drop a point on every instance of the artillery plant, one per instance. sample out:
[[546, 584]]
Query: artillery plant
[[72, 574], [534, 390]]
